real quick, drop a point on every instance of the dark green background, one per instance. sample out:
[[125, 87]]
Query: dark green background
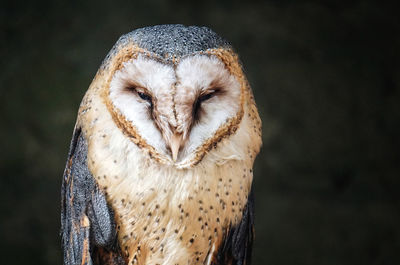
[[326, 78]]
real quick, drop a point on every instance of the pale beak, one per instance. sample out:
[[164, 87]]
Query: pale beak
[[175, 144]]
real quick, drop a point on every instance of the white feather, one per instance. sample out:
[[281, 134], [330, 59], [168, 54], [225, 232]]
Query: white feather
[[157, 78]]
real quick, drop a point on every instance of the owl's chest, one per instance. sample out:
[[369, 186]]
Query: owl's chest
[[170, 216], [166, 215]]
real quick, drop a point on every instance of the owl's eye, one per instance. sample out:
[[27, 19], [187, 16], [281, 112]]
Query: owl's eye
[[205, 97], [142, 93], [144, 96], [208, 95], [200, 100]]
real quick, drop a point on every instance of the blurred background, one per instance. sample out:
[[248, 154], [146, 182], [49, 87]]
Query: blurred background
[[326, 79]]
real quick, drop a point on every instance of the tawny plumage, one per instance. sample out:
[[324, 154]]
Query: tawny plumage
[[160, 165]]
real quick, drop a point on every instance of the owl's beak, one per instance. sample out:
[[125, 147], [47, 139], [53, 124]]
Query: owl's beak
[[175, 144]]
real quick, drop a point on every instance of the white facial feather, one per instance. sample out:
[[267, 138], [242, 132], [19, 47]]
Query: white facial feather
[[197, 74], [158, 79], [174, 94]]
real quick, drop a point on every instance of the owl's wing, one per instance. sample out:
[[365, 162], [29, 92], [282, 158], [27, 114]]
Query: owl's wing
[[87, 222], [237, 245]]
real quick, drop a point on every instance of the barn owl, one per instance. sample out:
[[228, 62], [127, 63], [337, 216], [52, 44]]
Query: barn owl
[[160, 164]]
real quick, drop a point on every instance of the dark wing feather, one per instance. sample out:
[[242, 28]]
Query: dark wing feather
[[237, 245], [87, 222]]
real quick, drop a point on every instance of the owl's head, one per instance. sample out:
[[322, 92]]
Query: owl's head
[[175, 91]]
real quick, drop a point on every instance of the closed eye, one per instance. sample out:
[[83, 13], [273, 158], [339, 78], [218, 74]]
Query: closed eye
[[207, 96], [144, 96], [142, 93], [201, 99]]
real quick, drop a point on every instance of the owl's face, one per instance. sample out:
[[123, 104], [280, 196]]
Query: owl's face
[[177, 111]]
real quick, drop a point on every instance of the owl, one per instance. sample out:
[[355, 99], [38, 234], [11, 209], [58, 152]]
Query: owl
[[160, 164]]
